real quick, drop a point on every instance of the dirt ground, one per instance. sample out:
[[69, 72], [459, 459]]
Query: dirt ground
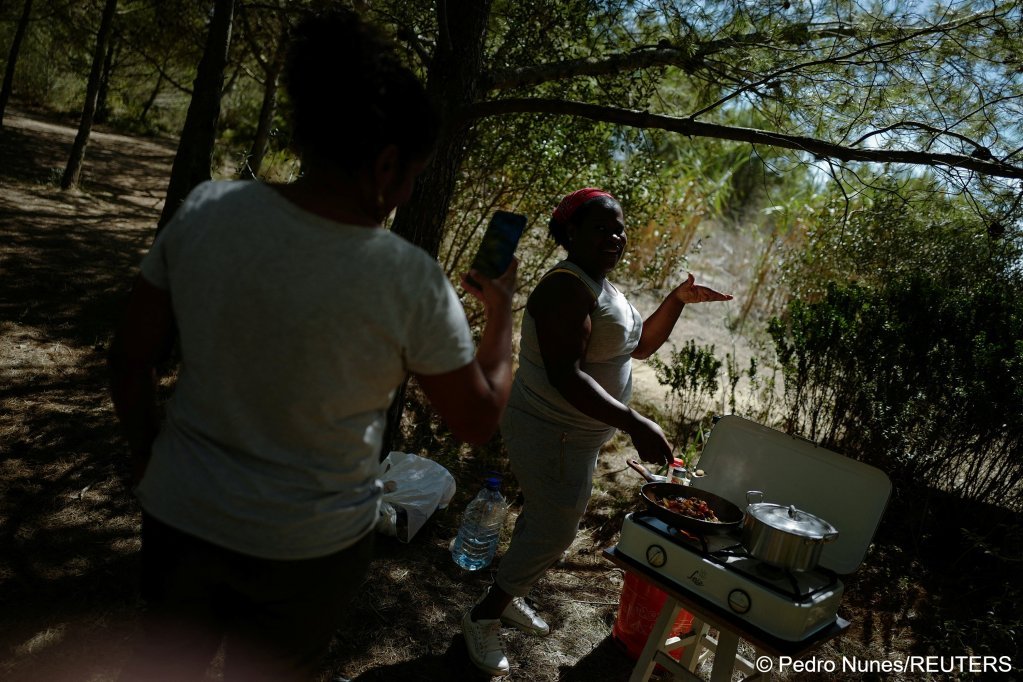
[[69, 527]]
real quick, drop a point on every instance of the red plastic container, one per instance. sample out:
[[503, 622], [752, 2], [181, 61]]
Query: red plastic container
[[638, 609]]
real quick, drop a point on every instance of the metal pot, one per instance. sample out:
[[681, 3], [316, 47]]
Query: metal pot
[[783, 535]]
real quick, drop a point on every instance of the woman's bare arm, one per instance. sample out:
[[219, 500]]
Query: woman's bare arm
[[142, 340]]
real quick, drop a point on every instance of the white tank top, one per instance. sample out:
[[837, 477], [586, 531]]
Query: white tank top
[[615, 330]]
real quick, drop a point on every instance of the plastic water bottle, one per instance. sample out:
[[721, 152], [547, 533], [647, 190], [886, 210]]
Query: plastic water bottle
[[480, 531]]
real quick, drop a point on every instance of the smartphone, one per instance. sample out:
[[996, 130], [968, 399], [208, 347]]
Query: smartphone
[[498, 245]]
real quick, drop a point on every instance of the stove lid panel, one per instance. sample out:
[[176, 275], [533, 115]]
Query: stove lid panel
[[741, 455]]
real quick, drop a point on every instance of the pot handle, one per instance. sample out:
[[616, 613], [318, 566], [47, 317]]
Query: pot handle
[[643, 471], [758, 494]]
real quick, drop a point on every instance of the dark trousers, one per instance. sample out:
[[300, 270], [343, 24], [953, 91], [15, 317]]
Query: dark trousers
[[275, 618]]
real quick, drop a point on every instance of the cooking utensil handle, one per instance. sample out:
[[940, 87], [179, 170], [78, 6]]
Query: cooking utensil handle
[[751, 494], [643, 471]]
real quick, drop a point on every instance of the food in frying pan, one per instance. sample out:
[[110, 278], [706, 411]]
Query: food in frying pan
[[692, 507]]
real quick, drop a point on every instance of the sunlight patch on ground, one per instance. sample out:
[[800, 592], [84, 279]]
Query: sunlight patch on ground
[[73, 567], [25, 348], [126, 546], [41, 640], [389, 650], [399, 574], [434, 615]]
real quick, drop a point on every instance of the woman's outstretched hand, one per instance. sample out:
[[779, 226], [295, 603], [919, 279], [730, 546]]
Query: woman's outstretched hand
[[690, 292]]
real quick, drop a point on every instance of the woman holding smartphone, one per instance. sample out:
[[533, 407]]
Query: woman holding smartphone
[[579, 335], [297, 316]]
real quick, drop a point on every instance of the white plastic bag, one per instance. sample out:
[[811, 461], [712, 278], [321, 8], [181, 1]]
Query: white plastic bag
[[414, 488]]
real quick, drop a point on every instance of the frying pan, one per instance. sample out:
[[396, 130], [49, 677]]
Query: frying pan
[[729, 515]]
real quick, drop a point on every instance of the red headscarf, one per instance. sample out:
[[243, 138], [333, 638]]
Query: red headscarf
[[571, 203]]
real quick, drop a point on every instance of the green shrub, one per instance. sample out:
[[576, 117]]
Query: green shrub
[[757, 402], [691, 377], [918, 369]]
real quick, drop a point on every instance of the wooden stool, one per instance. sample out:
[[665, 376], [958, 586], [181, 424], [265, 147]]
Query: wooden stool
[[699, 646]]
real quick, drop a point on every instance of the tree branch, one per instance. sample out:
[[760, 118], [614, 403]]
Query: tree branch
[[978, 147], [412, 40], [903, 37], [251, 41], [688, 126], [643, 58], [650, 56], [160, 68]]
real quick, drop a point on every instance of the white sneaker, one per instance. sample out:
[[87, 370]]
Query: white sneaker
[[519, 614], [483, 640]]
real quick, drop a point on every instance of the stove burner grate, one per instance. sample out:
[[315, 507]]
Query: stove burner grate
[[684, 537], [801, 586], [727, 551]]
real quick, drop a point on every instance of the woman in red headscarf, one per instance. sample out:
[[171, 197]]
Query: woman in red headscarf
[[579, 335]]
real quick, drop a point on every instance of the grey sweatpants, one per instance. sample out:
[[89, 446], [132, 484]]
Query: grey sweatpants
[[554, 467]]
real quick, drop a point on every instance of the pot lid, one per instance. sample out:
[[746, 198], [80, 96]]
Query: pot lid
[[741, 455], [791, 520]]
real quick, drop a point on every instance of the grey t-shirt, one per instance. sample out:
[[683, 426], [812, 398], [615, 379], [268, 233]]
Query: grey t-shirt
[[295, 332]]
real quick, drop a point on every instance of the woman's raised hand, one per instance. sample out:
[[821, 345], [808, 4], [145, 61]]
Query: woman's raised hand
[[690, 292]]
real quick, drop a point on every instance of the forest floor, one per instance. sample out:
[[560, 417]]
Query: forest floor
[[69, 526]]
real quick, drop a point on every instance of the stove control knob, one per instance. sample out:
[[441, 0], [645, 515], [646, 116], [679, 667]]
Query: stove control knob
[[739, 601], [656, 556]]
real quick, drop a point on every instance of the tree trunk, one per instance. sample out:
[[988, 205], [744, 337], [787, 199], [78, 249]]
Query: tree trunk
[[266, 112], [152, 98], [195, 148], [12, 58], [453, 84], [102, 106], [73, 172]]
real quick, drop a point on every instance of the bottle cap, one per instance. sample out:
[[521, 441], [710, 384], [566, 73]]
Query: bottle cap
[[678, 472], [492, 481]]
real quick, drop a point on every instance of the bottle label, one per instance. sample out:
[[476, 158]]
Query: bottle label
[[677, 473]]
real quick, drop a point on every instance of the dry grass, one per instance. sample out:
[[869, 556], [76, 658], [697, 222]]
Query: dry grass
[[69, 527]]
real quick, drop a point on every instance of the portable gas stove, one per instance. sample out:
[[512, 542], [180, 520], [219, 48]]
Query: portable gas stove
[[789, 605], [739, 456]]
